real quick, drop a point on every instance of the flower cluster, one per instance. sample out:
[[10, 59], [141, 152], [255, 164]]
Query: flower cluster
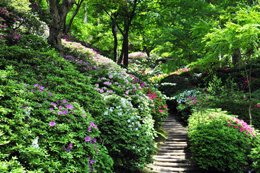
[[187, 95], [242, 126]]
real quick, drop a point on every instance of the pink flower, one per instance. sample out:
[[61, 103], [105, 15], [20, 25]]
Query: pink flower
[[161, 111], [236, 126], [65, 112], [69, 106], [52, 123], [59, 113], [50, 93], [51, 109], [87, 138], [60, 107], [70, 145]]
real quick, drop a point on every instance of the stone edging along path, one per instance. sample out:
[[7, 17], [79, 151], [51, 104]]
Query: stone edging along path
[[173, 155]]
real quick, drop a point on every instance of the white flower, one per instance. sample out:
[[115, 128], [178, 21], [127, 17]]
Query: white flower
[[106, 113], [133, 147], [137, 134], [130, 126], [136, 128], [35, 143], [111, 109], [128, 121], [119, 113]]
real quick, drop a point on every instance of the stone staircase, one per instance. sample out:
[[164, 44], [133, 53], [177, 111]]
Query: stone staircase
[[173, 155]]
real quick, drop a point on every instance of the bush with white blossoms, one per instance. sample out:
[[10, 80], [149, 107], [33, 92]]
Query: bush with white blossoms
[[124, 134], [182, 97]]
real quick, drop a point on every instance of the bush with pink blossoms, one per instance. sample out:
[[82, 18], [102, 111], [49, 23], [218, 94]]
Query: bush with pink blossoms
[[220, 142]]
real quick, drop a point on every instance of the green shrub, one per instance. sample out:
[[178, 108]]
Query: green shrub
[[255, 154], [219, 142], [47, 132], [256, 94], [125, 134]]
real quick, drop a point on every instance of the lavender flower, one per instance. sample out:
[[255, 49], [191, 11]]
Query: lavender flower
[[87, 138], [52, 123]]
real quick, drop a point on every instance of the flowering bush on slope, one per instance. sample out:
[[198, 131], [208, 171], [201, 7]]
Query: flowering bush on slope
[[47, 132], [73, 82], [125, 137], [119, 81]]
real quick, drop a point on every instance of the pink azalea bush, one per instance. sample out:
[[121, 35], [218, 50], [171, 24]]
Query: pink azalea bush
[[220, 142]]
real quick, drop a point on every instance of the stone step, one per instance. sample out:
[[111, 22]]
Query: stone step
[[171, 151], [173, 145], [170, 154], [169, 157], [175, 160], [177, 133], [171, 148], [176, 130], [176, 139], [171, 125], [161, 169], [175, 142], [168, 164]]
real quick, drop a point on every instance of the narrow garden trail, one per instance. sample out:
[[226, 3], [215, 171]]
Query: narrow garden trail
[[173, 155]]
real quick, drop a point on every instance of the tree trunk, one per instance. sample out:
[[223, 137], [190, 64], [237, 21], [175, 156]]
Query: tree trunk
[[114, 31], [58, 17], [126, 46], [236, 57], [86, 14], [248, 77], [122, 54], [66, 29]]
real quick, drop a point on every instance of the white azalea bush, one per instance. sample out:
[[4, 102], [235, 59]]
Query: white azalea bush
[[125, 134], [181, 98]]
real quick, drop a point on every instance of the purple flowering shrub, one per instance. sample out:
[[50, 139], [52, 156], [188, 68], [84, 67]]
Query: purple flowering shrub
[[47, 132], [110, 78], [15, 24], [220, 142]]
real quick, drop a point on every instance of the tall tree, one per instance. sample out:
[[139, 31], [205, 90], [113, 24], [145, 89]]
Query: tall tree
[[122, 14], [59, 10]]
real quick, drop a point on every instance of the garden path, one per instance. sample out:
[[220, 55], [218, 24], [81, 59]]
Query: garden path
[[173, 155]]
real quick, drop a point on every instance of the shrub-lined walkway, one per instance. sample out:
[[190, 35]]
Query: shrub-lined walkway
[[173, 155]]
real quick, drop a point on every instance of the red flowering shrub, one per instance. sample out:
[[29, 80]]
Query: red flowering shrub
[[160, 107]]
